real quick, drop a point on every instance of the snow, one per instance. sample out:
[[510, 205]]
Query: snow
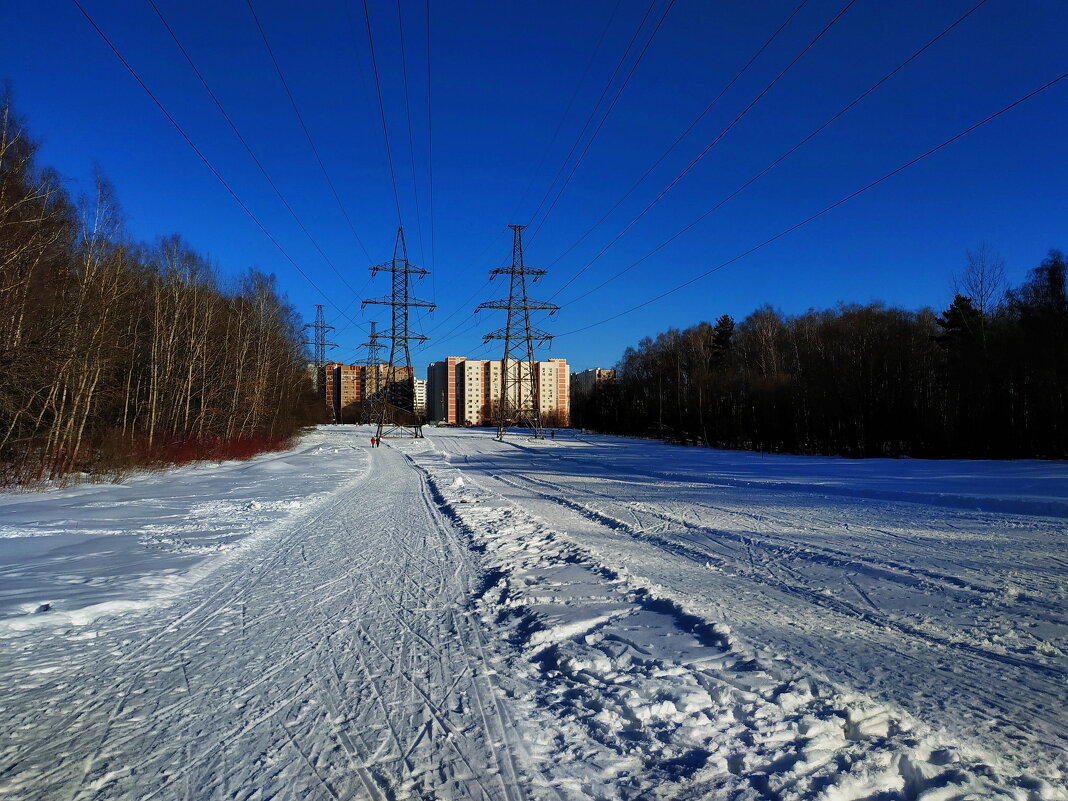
[[582, 617], [71, 555]]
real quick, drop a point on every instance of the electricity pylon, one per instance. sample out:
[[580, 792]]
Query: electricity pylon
[[372, 383], [519, 403], [319, 343], [394, 406]]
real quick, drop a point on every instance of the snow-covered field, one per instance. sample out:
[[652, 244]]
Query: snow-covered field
[[582, 617]]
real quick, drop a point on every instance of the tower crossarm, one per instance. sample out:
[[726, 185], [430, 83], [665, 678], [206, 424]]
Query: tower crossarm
[[536, 334], [394, 267], [388, 300], [513, 271], [531, 305], [409, 337]]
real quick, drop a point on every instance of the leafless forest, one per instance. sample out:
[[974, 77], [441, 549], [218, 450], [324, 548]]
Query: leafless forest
[[115, 354]]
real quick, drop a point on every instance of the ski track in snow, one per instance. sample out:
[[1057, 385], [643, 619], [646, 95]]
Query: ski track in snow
[[460, 618], [339, 660]]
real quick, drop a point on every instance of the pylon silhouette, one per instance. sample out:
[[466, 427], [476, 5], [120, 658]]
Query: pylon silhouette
[[394, 407], [372, 372], [518, 404], [319, 345]]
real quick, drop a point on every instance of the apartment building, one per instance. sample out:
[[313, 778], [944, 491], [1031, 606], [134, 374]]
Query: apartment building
[[420, 395], [349, 385], [466, 391], [583, 382]]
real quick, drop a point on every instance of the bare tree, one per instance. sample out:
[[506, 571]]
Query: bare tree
[[983, 280]]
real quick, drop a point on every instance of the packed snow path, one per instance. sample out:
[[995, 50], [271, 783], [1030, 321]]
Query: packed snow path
[[337, 661], [581, 618]]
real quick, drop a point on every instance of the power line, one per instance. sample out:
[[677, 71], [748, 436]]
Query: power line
[[715, 141], [593, 111], [619, 91], [382, 112], [304, 127], [248, 148], [204, 158], [781, 158], [604, 117], [826, 209], [430, 157], [679, 139], [440, 323], [411, 144], [354, 40], [567, 110], [456, 310]]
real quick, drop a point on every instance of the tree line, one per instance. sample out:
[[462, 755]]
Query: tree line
[[115, 354], [986, 378]]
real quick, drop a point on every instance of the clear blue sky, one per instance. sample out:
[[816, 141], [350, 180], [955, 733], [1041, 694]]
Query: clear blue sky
[[503, 75]]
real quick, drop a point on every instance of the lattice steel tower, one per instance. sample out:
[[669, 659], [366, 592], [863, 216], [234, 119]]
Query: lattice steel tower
[[518, 404], [394, 408], [372, 376], [320, 345]]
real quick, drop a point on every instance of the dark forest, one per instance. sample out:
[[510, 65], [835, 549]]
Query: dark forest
[[986, 378]]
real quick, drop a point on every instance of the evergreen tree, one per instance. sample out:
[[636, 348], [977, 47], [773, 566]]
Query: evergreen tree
[[961, 324], [722, 336]]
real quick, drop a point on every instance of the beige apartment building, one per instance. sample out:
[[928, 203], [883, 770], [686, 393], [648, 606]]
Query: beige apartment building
[[583, 382], [466, 391]]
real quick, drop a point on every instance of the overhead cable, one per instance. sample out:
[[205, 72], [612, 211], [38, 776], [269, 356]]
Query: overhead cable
[[604, 117], [204, 158], [248, 148], [781, 158], [411, 142], [715, 141], [567, 110], [593, 111], [382, 113], [680, 137], [824, 210], [430, 155], [304, 127]]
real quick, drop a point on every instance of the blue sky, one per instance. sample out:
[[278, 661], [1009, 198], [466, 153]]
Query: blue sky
[[505, 78]]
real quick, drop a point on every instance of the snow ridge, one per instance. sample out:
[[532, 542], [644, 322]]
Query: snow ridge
[[640, 698]]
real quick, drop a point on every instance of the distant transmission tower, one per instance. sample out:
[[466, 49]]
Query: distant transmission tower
[[319, 343], [372, 376], [394, 406], [518, 403]]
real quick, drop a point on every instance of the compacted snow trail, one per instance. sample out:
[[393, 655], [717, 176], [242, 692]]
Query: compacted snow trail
[[338, 660]]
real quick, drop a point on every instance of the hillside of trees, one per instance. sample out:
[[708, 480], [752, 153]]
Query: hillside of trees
[[115, 354], [986, 378]]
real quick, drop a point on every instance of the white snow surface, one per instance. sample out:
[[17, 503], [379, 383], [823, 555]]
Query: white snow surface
[[581, 617]]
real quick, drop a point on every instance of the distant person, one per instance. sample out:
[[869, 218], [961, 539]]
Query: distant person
[[372, 442], [552, 434]]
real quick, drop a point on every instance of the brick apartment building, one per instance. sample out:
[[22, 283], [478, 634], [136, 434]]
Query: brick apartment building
[[466, 391], [348, 385]]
